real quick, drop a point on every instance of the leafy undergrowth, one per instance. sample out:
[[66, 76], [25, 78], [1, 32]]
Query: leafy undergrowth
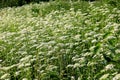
[[47, 42]]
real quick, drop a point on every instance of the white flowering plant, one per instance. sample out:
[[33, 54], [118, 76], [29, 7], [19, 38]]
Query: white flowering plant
[[67, 42]]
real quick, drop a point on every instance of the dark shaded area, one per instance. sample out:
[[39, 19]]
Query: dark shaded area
[[22, 2], [109, 59], [11, 3]]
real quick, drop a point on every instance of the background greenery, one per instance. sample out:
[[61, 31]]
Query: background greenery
[[4, 3], [10, 3]]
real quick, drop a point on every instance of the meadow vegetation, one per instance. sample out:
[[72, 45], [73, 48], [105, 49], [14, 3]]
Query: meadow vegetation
[[60, 41]]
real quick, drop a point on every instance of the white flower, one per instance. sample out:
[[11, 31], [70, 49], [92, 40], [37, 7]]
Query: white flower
[[72, 78], [91, 63], [8, 68], [24, 79], [104, 77], [110, 37], [94, 41], [51, 67], [17, 73], [117, 51], [87, 54], [3, 77], [60, 44], [21, 65], [77, 37], [69, 66], [51, 42], [62, 37], [27, 64], [79, 78], [76, 65], [0, 60], [109, 67], [90, 33], [27, 58], [92, 48], [117, 77]]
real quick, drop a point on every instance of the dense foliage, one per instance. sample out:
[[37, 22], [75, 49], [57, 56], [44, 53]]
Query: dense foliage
[[60, 41], [11, 3]]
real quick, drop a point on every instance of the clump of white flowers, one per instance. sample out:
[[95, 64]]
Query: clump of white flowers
[[109, 67], [46, 41], [116, 77], [105, 76], [5, 76]]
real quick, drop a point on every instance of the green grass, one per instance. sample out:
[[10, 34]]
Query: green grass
[[60, 41]]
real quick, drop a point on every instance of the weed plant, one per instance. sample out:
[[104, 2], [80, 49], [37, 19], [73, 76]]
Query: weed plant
[[60, 41]]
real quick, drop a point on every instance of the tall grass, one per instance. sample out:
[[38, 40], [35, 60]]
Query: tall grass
[[60, 41]]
